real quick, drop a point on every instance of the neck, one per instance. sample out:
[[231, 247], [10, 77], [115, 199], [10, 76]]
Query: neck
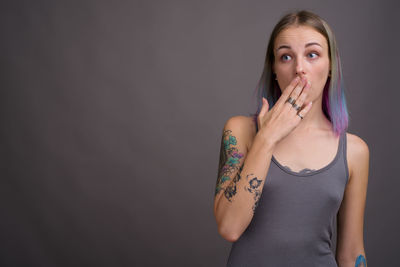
[[314, 120]]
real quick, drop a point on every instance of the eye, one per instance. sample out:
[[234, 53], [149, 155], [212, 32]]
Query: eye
[[313, 53], [285, 57]]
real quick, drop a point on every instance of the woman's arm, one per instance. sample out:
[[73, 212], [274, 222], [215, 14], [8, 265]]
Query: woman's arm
[[241, 177], [242, 171], [350, 242]]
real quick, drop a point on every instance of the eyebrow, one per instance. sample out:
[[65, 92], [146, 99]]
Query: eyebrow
[[307, 45]]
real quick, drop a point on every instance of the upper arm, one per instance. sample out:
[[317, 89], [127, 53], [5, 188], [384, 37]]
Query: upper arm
[[350, 241], [233, 151]]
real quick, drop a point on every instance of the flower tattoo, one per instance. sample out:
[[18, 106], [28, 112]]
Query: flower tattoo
[[229, 162]]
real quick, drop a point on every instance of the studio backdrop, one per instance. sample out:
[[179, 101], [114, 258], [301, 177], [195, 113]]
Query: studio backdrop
[[111, 116]]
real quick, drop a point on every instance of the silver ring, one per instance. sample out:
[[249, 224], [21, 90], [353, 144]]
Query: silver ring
[[290, 100], [296, 107], [298, 114]]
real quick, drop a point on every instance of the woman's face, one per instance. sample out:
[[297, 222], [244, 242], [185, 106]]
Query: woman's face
[[301, 50]]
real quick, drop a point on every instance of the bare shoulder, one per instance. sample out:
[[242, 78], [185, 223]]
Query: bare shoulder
[[357, 152], [242, 126], [356, 146]]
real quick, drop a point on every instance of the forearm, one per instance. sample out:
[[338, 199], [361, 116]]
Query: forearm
[[357, 260], [237, 202]]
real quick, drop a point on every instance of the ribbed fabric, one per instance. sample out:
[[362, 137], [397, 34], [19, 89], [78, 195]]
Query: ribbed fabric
[[293, 223]]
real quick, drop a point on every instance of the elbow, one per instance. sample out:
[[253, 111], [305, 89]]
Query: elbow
[[229, 229], [228, 233]]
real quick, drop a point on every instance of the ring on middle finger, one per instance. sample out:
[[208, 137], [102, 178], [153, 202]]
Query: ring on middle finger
[[290, 100], [296, 107]]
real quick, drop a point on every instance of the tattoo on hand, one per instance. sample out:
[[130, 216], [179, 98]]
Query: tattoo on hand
[[229, 162], [254, 187], [360, 261]]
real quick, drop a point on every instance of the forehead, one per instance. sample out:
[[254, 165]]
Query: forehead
[[299, 36]]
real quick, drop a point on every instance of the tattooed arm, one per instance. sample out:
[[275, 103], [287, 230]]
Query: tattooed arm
[[350, 246], [241, 176]]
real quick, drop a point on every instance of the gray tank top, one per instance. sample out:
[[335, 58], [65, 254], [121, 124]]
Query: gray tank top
[[294, 221]]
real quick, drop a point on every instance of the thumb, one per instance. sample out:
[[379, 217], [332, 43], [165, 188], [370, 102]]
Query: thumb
[[263, 110], [264, 107]]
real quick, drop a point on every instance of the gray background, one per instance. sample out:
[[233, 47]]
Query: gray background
[[111, 116]]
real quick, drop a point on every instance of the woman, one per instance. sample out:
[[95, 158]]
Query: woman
[[286, 173]]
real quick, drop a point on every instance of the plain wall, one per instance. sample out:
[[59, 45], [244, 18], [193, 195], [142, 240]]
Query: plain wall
[[112, 112]]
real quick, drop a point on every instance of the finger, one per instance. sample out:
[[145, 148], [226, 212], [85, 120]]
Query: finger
[[263, 111], [303, 112], [297, 90], [288, 91], [264, 107], [300, 100]]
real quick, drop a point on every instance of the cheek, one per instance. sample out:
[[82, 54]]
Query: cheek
[[284, 74], [320, 74], [322, 68], [283, 82]]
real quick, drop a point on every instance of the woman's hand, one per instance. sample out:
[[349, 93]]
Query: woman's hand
[[282, 118]]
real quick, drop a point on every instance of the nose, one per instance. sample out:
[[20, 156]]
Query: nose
[[299, 68]]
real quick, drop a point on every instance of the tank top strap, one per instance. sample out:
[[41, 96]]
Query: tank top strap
[[341, 144], [344, 154], [343, 141]]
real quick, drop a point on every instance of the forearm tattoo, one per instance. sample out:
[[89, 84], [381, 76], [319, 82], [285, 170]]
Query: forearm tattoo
[[230, 190], [254, 187], [360, 261], [229, 162]]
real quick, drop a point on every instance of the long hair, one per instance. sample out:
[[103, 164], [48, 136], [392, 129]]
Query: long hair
[[333, 98]]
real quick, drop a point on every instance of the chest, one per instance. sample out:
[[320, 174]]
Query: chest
[[306, 154]]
